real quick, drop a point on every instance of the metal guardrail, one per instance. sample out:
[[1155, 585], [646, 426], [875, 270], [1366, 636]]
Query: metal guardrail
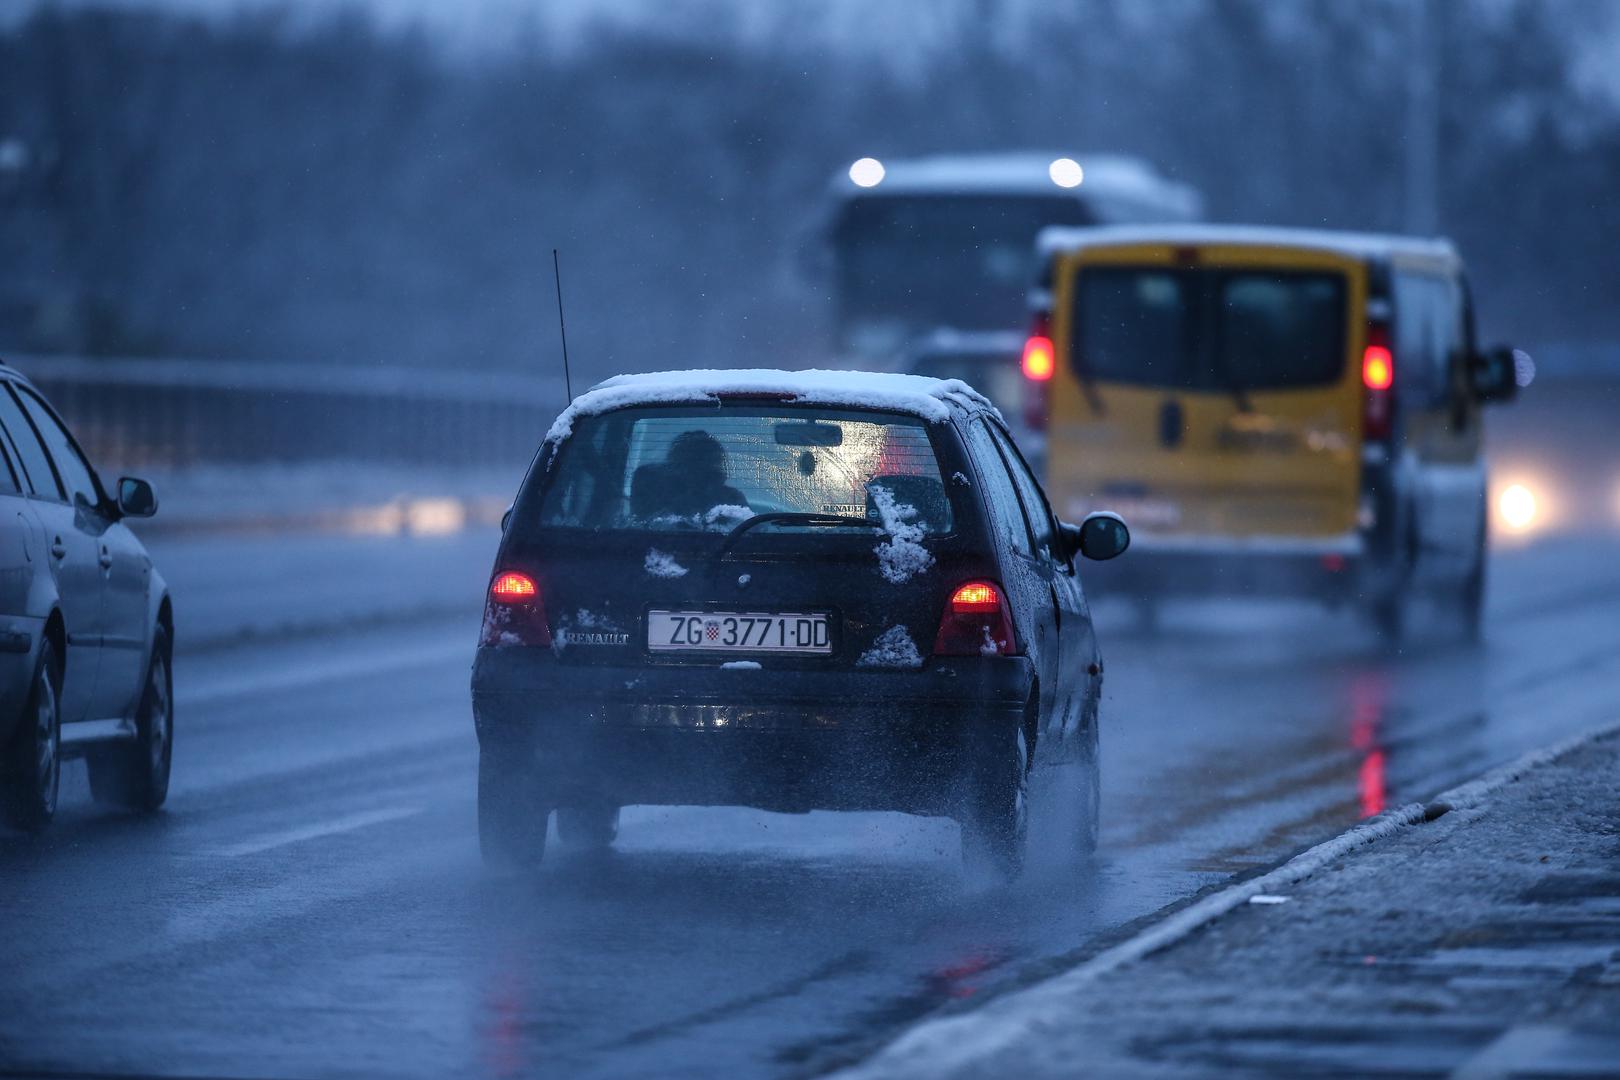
[[178, 413]]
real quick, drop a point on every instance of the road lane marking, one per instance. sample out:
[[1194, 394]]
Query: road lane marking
[[311, 832], [313, 674]]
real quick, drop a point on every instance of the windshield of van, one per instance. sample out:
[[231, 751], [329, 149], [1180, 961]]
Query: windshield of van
[[708, 469], [909, 264], [1209, 329]]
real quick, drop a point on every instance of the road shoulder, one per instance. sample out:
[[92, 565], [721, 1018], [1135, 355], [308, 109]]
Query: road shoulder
[[1477, 933]]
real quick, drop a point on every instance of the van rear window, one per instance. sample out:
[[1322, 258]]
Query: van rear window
[[1209, 329], [708, 469]]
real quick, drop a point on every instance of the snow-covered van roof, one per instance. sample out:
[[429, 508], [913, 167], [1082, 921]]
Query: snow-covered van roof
[[1104, 176], [916, 395], [1064, 240]]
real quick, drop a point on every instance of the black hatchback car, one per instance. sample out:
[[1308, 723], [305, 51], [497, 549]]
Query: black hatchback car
[[85, 623], [791, 591]]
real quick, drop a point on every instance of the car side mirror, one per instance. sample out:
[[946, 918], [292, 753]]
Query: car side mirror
[[136, 498], [1103, 536], [1493, 375]]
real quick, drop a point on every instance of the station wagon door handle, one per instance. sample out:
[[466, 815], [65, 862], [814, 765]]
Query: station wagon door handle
[[58, 549], [106, 559]]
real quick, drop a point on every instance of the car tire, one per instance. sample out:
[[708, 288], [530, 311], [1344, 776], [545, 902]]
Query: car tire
[[33, 761], [134, 775], [996, 828], [588, 827], [512, 814]]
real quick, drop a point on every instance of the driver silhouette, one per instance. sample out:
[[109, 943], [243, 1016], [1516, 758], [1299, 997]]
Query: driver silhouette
[[689, 482]]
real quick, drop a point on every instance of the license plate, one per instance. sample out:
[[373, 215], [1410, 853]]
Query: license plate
[[732, 631]]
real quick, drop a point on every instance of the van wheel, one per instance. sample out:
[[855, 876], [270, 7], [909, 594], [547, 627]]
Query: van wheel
[[588, 827], [33, 761], [1472, 601], [135, 775], [512, 812], [997, 825]]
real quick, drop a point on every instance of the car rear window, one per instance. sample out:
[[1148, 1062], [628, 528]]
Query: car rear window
[[707, 469], [1209, 329]]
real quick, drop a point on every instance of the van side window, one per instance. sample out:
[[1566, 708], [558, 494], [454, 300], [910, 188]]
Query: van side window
[[71, 467], [1036, 511], [38, 476], [1007, 517]]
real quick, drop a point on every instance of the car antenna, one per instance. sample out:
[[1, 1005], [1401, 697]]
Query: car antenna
[[562, 328]]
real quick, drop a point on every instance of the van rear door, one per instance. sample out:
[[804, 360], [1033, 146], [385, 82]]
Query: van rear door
[[1209, 390]]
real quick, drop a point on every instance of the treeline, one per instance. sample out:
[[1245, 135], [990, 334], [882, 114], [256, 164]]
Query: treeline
[[263, 187]]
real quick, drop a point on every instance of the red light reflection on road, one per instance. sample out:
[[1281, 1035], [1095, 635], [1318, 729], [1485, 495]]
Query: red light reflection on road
[[1368, 693], [1372, 784]]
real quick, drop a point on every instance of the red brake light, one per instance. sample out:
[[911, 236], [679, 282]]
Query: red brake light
[[1377, 368], [1040, 363], [977, 622], [975, 596], [513, 588], [515, 614], [1377, 381]]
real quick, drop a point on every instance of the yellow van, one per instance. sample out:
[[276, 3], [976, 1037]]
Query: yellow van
[[1273, 411]]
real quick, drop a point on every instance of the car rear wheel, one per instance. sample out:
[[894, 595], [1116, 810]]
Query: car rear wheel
[[33, 761], [997, 824], [512, 812], [588, 826], [135, 775]]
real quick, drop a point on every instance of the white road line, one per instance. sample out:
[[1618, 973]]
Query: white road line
[[312, 674], [311, 832]]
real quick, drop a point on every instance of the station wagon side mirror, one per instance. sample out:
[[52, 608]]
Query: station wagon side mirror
[[1493, 375], [1101, 536], [136, 498]]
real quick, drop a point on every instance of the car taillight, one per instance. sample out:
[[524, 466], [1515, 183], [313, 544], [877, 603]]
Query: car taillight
[[1039, 364], [1377, 384], [515, 613], [977, 622]]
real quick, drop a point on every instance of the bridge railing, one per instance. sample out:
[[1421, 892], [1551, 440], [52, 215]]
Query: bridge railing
[[179, 413]]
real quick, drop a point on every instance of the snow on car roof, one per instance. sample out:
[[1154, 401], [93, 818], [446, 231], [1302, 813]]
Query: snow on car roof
[[1059, 239], [917, 395], [1024, 173]]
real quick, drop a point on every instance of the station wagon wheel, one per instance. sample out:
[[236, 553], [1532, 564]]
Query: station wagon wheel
[[135, 775], [34, 758]]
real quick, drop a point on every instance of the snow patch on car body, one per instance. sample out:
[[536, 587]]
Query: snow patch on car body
[[661, 564], [893, 649], [916, 395], [740, 665], [901, 557]]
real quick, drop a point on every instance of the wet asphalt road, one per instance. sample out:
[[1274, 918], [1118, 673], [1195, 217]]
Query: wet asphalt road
[[311, 902]]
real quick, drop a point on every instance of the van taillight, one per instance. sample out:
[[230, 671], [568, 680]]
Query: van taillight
[[515, 613], [1039, 364], [977, 622], [1377, 384]]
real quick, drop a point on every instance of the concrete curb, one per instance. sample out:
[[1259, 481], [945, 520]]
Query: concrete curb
[[964, 1043]]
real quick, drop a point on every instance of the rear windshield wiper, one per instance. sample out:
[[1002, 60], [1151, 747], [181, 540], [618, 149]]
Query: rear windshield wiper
[[786, 517]]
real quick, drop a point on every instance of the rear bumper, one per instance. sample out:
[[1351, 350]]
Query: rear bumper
[[776, 739], [1332, 569]]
